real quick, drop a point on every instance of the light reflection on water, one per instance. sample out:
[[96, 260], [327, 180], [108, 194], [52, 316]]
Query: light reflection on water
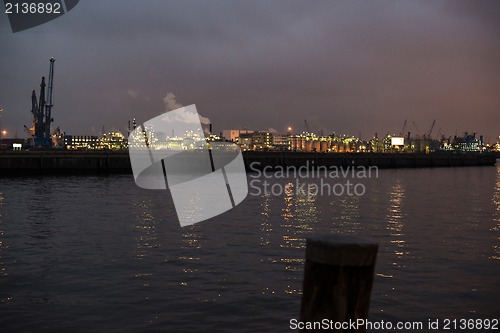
[[146, 225], [301, 208], [266, 226], [496, 228], [285, 232], [145, 229], [348, 211], [396, 221], [119, 253], [3, 271], [395, 218]]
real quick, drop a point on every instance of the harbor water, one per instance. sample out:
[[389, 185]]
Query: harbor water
[[97, 253]]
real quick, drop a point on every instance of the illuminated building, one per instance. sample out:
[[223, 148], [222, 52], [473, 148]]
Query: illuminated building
[[281, 141], [467, 143], [234, 135], [245, 141], [261, 141], [113, 141], [80, 142]]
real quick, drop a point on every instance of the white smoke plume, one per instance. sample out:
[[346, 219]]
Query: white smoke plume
[[182, 116], [171, 102], [205, 124], [205, 120]]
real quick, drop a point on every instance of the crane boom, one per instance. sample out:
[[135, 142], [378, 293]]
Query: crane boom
[[28, 131], [34, 104], [48, 108], [432, 127], [307, 126]]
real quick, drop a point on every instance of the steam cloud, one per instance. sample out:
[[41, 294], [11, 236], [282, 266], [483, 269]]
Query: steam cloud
[[171, 104], [205, 120]]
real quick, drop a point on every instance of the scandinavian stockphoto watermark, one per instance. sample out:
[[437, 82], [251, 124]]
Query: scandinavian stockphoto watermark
[[26, 14], [310, 180], [172, 151]]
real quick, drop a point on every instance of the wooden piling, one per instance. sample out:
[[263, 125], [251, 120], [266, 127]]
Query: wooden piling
[[338, 279]]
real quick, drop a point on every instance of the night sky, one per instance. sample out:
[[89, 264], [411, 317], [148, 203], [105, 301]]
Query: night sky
[[345, 66]]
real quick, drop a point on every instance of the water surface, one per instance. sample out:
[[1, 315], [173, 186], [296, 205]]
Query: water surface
[[82, 253]]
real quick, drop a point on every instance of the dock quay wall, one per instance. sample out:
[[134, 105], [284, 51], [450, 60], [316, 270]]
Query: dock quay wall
[[63, 162], [256, 160], [75, 162]]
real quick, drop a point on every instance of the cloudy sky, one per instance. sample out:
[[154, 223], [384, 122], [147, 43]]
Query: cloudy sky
[[344, 66]]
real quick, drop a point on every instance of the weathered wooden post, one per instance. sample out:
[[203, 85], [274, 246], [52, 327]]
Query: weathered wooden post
[[338, 279]]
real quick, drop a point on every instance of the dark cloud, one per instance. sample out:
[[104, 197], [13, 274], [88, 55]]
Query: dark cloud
[[345, 66]]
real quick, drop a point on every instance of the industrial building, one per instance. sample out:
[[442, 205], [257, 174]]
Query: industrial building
[[80, 142], [113, 141], [281, 141], [234, 135], [308, 142]]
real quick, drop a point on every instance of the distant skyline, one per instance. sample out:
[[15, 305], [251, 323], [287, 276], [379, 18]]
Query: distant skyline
[[348, 67]]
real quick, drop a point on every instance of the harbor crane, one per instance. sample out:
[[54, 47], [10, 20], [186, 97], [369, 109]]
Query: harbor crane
[[42, 111], [432, 127]]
